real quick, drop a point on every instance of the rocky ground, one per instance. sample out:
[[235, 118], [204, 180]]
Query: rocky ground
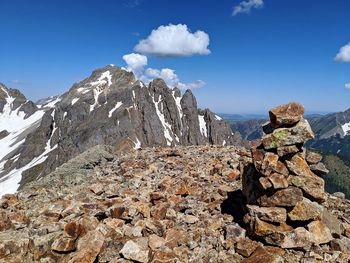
[[181, 204]]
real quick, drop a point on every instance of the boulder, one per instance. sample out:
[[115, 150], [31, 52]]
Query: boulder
[[319, 169], [5, 222], [287, 197], [313, 186], [320, 231], [278, 181], [305, 210], [298, 166], [261, 255], [298, 238], [286, 115], [136, 250], [296, 135], [269, 214], [89, 246], [63, 244], [246, 246], [313, 157], [286, 150]]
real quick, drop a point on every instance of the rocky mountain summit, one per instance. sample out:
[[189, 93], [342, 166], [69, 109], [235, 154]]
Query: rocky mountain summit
[[111, 108], [183, 204]]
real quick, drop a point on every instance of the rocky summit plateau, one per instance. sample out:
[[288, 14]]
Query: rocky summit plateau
[[110, 108], [203, 203]]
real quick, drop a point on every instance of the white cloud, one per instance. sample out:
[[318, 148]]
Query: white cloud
[[137, 64], [245, 7], [347, 85], [174, 41], [16, 81], [343, 54]]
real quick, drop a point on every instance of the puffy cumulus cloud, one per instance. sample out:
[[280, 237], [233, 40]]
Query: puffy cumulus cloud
[[246, 6], [347, 85], [174, 41], [343, 54], [137, 64]]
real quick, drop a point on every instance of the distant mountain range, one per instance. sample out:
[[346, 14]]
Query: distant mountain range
[[111, 108]]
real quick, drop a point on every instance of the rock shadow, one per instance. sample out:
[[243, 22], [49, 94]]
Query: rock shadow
[[235, 205]]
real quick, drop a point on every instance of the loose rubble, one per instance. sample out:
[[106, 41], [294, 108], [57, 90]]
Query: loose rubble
[[181, 204]]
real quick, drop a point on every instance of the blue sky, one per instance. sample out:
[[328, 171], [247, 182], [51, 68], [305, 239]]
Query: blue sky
[[282, 51]]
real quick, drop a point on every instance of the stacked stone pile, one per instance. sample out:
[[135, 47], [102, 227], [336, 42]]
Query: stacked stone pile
[[283, 187]]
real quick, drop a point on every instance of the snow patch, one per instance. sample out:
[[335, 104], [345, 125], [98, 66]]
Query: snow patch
[[97, 93], [166, 126], [102, 79], [178, 104], [52, 103], [74, 100], [15, 124], [218, 118], [119, 103], [202, 125], [346, 128], [137, 144]]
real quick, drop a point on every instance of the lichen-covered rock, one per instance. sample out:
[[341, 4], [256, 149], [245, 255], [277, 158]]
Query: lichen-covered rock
[[305, 210], [281, 137]]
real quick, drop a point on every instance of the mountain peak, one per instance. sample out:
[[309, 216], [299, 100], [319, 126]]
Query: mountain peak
[[108, 107]]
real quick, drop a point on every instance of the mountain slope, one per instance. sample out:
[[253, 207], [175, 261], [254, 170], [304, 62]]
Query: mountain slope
[[110, 107]]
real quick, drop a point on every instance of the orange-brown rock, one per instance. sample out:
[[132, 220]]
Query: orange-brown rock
[[305, 210], [261, 255], [246, 246], [88, 247], [298, 165], [269, 214], [320, 232], [313, 186], [263, 229], [278, 181], [287, 197], [74, 229], [286, 115], [63, 244], [5, 222]]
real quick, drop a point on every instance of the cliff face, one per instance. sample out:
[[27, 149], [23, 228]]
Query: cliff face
[[110, 107]]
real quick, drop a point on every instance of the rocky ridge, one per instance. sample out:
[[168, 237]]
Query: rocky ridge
[[111, 108], [181, 204]]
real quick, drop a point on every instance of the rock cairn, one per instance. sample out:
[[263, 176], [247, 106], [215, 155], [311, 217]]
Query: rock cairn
[[283, 185]]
